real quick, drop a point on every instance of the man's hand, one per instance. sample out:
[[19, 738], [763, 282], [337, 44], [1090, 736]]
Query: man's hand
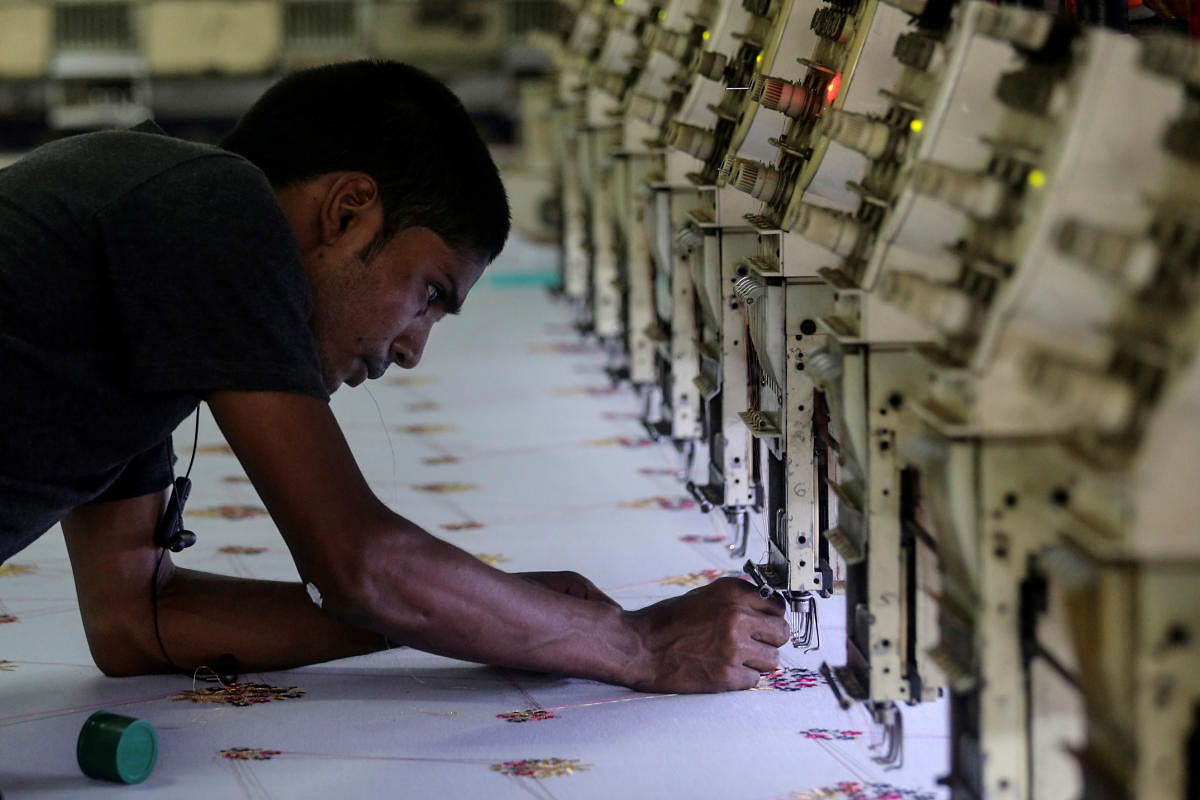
[[569, 583], [715, 638]]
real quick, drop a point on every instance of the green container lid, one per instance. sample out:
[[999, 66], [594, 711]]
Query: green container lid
[[117, 748]]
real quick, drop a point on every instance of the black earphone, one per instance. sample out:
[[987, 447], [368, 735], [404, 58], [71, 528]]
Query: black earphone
[[169, 532]]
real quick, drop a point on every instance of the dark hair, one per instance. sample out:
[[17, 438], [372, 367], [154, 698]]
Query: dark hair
[[399, 125]]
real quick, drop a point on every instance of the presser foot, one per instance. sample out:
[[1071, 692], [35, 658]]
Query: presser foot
[[890, 747]]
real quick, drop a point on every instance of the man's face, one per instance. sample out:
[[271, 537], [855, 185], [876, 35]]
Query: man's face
[[370, 314]]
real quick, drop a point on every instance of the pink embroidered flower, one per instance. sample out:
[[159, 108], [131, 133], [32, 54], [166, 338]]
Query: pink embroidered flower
[[540, 767], [462, 526], [528, 715], [790, 679], [229, 512], [249, 754]]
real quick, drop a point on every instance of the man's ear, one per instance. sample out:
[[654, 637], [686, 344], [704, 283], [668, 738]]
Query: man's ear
[[351, 207]]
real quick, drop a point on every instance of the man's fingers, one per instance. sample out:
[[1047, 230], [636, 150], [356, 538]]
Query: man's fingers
[[762, 659], [749, 676], [773, 604], [748, 594], [773, 631]]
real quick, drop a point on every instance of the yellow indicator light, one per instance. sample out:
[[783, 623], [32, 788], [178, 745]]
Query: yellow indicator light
[[916, 125], [662, 14], [1037, 179], [705, 35], [758, 59], [618, 2]]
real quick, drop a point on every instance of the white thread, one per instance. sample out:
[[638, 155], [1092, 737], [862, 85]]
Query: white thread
[[392, 447]]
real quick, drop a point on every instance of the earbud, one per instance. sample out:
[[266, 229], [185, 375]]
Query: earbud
[[169, 532]]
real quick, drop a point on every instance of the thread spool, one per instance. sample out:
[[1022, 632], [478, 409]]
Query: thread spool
[[117, 748], [833, 230], [858, 132], [711, 65], [691, 139], [760, 181], [788, 98]]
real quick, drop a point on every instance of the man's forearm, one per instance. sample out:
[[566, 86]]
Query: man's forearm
[[379, 571], [265, 624], [421, 591]]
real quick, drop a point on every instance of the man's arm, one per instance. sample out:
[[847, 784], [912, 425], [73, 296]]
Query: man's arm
[[266, 624], [380, 574], [377, 570]]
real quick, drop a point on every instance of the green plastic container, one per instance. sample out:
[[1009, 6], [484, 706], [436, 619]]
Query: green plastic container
[[117, 748]]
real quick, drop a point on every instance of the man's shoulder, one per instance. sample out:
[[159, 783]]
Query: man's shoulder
[[105, 165], [141, 146]]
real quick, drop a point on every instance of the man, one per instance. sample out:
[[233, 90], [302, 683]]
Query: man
[[352, 207]]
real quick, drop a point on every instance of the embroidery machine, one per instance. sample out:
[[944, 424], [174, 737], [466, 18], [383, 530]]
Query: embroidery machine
[[913, 292]]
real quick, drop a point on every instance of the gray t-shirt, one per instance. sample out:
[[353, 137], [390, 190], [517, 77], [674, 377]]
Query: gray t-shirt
[[137, 272]]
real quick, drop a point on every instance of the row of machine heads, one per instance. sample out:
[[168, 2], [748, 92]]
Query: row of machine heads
[[912, 286]]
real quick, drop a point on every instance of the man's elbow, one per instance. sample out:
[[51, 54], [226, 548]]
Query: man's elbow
[[120, 653]]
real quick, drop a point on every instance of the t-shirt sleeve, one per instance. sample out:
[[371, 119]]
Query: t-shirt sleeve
[[208, 283], [148, 472]]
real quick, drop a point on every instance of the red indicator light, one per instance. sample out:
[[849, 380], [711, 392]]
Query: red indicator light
[[832, 88]]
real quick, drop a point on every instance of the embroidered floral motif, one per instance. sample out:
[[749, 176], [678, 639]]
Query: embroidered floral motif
[[462, 526], [790, 679], [249, 754], [700, 578], [7, 618], [426, 429], [7, 666], [661, 503], [9, 570], [541, 767], [829, 734], [853, 790], [492, 559], [528, 715], [240, 550], [240, 694], [229, 512], [690, 538], [444, 488], [434, 461]]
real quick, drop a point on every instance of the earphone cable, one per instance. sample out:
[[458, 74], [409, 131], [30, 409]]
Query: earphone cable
[[163, 552]]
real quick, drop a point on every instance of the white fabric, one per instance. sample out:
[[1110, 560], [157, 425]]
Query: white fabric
[[412, 725]]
